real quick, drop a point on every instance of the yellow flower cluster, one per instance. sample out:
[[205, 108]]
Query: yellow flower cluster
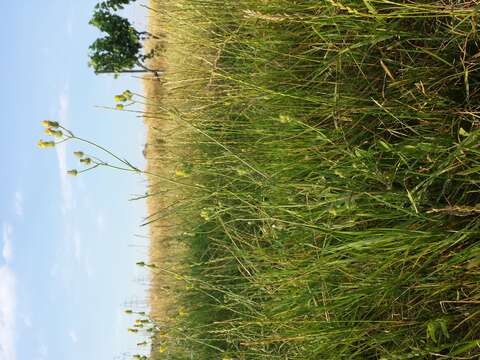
[[127, 95], [51, 130]]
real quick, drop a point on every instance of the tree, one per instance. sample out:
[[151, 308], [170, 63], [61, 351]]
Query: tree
[[121, 49], [113, 4]]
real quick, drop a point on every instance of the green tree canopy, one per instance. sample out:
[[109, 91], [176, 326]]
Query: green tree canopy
[[113, 4], [120, 50]]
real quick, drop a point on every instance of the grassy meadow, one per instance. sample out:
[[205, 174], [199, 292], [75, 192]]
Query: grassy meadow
[[325, 162]]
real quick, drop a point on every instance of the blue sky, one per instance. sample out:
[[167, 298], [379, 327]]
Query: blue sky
[[68, 245]]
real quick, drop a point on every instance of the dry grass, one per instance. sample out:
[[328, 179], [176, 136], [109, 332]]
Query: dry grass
[[184, 68], [160, 153]]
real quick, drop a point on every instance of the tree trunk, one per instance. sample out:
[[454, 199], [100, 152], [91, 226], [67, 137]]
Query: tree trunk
[[133, 71]]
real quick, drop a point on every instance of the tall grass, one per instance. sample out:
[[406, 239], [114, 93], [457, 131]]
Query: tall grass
[[334, 146]]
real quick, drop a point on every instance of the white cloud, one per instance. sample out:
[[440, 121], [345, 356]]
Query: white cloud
[[18, 203], [70, 28], [88, 267], [72, 334], [54, 270], [77, 245], [7, 313], [61, 149], [7, 251], [43, 350], [100, 221], [27, 321]]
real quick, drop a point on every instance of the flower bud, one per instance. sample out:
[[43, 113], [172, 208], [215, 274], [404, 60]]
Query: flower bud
[[73, 172], [46, 144], [120, 98], [57, 133], [127, 94], [86, 161], [52, 124], [78, 154], [119, 107]]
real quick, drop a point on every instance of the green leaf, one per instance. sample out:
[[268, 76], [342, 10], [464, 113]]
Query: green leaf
[[370, 7], [431, 331], [466, 347], [463, 132], [443, 327], [384, 145]]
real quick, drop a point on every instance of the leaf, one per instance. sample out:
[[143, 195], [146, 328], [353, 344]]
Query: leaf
[[466, 347], [384, 145], [370, 7], [463, 132], [387, 70], [443, 327], [431, 331]]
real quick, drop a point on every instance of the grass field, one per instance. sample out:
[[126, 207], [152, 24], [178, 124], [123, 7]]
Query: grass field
[[327, 169]]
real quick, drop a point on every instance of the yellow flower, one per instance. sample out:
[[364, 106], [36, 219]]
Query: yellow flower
[[73, 172], [86, 161], [162, 349], [284, 118], [182, 311], [128, 94], [57, 134], [180, 173], [119, 107], [52, 124], [120, 98], [45, 144], [132, 330], [205, 214], [78, 154]]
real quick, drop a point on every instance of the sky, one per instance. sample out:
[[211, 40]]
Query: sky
[[68, 245]]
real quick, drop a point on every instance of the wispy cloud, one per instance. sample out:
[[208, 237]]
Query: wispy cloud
[[18, 203], [7, 313], [43, 350], [77, 245], [61, 149], [27, 321], [7, 250], [72, 334]]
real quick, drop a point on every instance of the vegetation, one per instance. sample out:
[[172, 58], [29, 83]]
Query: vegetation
[[337, 146], [120, 50], [323, 180]]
